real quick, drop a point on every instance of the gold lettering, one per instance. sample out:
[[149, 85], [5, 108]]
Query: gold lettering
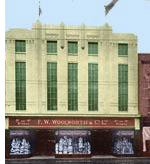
[[97, 122], [46, 122], [39, 122]]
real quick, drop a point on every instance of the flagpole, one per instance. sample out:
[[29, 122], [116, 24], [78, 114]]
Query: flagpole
[[39, 10]]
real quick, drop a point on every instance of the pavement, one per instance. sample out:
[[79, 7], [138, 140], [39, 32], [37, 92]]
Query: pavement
[[93, 160]]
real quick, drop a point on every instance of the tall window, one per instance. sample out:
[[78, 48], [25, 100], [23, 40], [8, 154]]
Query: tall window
[[52, 47], [123, 87], [123, 49], [93, 48], [51, 86], [20, 80], [20, 46], [72, 86], [92, 87], [72, 48]]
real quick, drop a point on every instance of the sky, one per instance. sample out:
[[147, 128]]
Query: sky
[[127, 16]]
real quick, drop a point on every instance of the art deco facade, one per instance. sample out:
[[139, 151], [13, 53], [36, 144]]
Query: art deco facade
[[67, 87]]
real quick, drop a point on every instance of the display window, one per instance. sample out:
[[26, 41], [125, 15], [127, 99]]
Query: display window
[[73, 142], [20, 143], [123, 142]]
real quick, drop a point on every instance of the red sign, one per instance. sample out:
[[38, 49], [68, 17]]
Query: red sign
[[55, 122]]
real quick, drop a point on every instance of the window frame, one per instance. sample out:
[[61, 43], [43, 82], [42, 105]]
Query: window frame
[[123, 88], [93, 87], [90, 48], [52, 91], [20, 47], [54, 47], [123, 49], [73, 86], [75, 49], [20, 86]]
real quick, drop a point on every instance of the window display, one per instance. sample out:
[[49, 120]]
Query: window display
[[72, 142], [123, 142], [20, 147], [19, 143]]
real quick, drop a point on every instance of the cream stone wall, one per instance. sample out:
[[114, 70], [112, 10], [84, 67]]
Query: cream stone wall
[[36, 59]]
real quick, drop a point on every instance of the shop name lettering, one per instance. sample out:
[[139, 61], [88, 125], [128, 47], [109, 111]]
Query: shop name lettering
[[80, 122]]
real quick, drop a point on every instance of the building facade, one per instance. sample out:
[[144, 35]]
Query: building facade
[[71, 91], [144, 100]]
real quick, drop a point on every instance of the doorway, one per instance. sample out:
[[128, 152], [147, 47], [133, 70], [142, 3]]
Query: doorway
[[44, 143], [101, 142]]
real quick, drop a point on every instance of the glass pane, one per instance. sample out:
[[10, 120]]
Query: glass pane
[[72, 86], [52, 86], [52, 47], [20, 83], [93, 48], [72, 47], [122, 49], [123, 87], [20, 46], [93, 87]]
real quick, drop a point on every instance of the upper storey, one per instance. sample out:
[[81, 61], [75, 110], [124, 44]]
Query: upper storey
[[63, 32], [89, 48]]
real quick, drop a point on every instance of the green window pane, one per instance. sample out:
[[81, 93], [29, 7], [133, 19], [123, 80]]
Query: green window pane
[[123, 87], [51, 86], [73, 48], [122, 49], [92, 48], [92, 87], [20, 46], [72, 86], [20, 85], [52, 47]]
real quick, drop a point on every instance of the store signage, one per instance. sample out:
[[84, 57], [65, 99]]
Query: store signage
[[19, 133], [125, 133], [42, 122], [73, 132]]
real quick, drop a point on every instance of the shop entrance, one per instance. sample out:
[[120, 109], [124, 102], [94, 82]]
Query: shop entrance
[[44, 143], [101, 142]]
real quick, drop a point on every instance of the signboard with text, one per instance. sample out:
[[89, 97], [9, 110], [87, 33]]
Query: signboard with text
[[67, 122]]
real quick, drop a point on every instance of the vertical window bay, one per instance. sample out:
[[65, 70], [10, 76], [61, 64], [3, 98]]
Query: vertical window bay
[[92, 87], [20, 83], [72, 86], [123, 87], [51, 86]]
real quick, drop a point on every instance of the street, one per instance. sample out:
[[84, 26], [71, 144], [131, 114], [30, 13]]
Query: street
[[123, 160]]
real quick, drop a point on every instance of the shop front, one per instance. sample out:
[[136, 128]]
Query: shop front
[[71, 136]]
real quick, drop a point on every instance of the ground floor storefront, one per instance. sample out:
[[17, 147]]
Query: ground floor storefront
[[71, 137]]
